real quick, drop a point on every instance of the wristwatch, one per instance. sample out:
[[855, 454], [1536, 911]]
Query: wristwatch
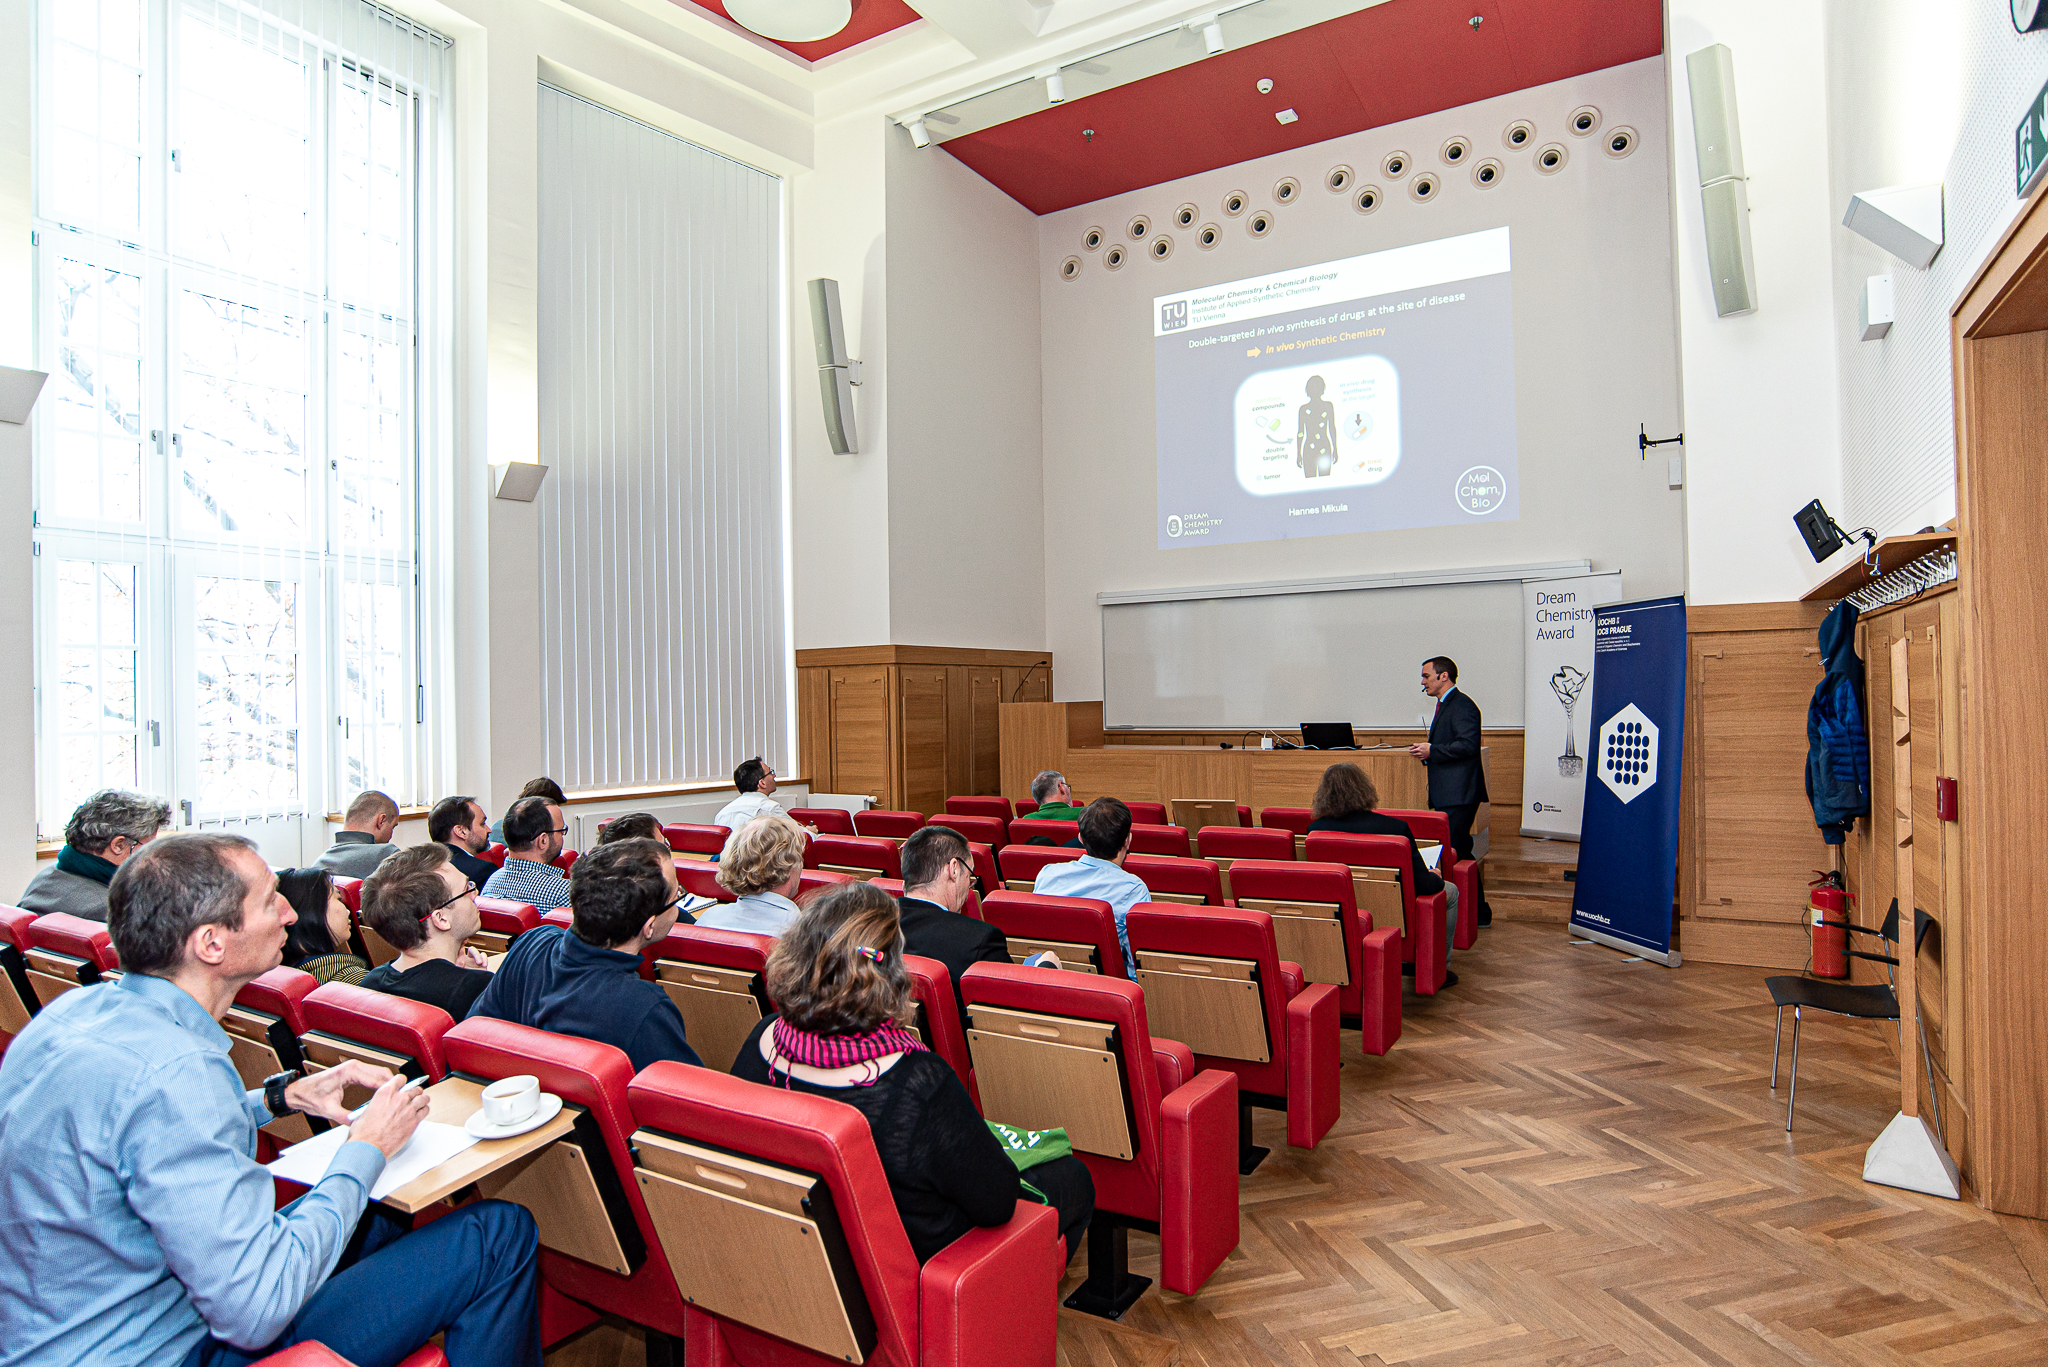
[[273, 1092]]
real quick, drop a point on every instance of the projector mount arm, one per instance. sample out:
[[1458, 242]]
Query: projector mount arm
[[1644, 441]]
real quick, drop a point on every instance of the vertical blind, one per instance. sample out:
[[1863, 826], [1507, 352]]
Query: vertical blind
[[664, 649]]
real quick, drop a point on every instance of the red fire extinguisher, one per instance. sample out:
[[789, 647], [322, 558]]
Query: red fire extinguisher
[[1829, 901]]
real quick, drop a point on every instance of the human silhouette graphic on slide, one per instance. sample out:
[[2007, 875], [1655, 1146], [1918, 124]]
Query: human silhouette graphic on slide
[[1315, 432]]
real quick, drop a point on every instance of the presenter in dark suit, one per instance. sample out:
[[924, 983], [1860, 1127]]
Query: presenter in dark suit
[[1457, 783]]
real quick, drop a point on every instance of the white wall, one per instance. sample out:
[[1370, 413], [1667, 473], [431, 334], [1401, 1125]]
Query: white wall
[[1762, 430], [966, 543]]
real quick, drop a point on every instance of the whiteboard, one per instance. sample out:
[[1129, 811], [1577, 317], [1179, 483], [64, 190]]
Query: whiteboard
[[1279, 659]]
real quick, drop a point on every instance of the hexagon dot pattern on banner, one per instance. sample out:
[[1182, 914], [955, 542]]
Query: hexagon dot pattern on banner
[[1627, 753]]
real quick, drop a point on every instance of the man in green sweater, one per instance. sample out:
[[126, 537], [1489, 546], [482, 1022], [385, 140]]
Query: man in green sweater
[[1055, 799]]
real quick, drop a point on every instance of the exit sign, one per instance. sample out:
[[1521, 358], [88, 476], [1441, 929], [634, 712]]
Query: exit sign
[[2030, 144]]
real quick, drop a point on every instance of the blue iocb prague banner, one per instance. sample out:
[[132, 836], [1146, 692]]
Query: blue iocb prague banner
[[1628, 843]]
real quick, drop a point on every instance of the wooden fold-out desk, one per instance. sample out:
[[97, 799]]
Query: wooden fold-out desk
[[452, 1102]]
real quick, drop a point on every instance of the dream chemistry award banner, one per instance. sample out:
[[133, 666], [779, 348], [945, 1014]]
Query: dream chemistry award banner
[[1628, 848], [1557, 654]]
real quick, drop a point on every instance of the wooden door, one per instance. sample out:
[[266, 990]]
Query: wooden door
[[983, 740], [921, 692], [860, 730]]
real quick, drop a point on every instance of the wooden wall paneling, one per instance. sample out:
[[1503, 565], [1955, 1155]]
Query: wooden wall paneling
[[1037, 688], [921, 740], [860, 729], [1030, 732], [1956, 922], [1899, 818], [1205, 773], [814, 726], [982, 689]]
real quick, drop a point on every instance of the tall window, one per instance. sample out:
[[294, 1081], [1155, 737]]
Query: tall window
[[239, 237]]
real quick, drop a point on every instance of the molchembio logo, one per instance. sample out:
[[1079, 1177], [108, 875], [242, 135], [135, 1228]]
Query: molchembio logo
[[1627, 751]]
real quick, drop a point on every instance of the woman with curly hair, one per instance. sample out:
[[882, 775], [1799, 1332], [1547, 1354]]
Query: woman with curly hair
[[1346, 801]]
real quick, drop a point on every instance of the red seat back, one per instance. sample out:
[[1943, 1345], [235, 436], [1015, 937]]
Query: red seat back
[[1427, 826], [1026, 806], [1183, 877], [939, 1012], [1294, 819], [825, 820], [1369, 852], [985, 868], [1147, 813], [701, 880], [281, 992], [351, 890], [988, 830], [1224, 933], [62, 933], [1024, 862], [997, 807], [1024, 829], [594, 1077], [14, 924], [503, 916], [381, 1021], [494, 854], [565, 861], [1171, 841], [1244, 842], [857, 852], [892, 825], [1073, 920], [696, 839], [720, 948], [811, 882]]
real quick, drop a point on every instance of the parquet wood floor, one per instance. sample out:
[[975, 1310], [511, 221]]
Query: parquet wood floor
[[1573, 1160]]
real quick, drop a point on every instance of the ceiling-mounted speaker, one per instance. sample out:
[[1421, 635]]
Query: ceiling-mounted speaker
[[1259, 224], [1070, 269], [1550, 158], [1518, 135], [1454, 151], [1209, 236], [1423, 188], [1286, 190], [1724, 192], [1113, 259], [1338, 179], [1236, 202], [1621, 140], [1186, 215], [1366, 200], [1139, 228], [1092, 239], [1583, 121], [1396, 165], [1486, 174], [838, 372], [1161, 247]]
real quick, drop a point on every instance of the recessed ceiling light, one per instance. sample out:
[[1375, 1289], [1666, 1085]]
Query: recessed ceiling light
[[1287, 116], [791, 21]]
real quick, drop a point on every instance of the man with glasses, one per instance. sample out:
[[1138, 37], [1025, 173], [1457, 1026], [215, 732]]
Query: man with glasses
[[426, 907], [938, 873], [755, 779], [533, 841], [585, 980]]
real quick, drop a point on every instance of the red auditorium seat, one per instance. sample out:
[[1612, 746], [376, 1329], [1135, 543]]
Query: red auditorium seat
[[1159, 1139], [605, 1254], [319, 1355], [565, 861], [1081, 930], [1193, 882], [997, 807], [1147, 813], [718, 979], [1027, 828], [1026, 806], [813, 881], [494, 854], [894, 887], [1422, 918], [1021, 863], [701, 880], [1316, 924], [263, 1028], [1294, 819], [503, 921], [1462, 874], [1225, 845], [857, 855], [938, 1017], [991, 831], [351, 890], [825, 820], [376, 1027], [882, 825], [696, 842], [18, 1004], [61, 951], [1171, 841], [1277, 1033], [761, 1165]]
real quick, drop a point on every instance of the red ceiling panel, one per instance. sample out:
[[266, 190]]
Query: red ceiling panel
[[871, 19], [1395, 61]]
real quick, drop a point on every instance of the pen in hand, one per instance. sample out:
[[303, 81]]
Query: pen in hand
[[357, 1113]]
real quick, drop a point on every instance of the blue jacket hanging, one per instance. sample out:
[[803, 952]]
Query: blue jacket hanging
[[1837, 744]]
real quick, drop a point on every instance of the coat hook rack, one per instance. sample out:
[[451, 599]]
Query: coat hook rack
[[1644, 441]]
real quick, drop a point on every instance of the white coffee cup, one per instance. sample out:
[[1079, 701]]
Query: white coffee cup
[[510, 1100]]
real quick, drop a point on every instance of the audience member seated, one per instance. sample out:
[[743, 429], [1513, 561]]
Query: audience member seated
[[762, 867], [839, 979], [585, 980], [1054, 798], [535, 787], [461, 825], [364, 840], [135, 1223], [755, 780], [938, 873], [631, 826], [106, 829], [533, 838], [1106, 836], [1346, 801], [424, 906], [317, 942]]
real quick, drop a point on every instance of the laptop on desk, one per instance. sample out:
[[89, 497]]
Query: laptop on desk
[[1328, 735]]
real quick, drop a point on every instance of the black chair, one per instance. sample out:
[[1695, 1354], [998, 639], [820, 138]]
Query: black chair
[[1870, 1001]]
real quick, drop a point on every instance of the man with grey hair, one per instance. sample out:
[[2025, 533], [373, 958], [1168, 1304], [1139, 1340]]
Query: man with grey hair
[[106, 829], [136, 1225], [1055, 799], [364, 840]]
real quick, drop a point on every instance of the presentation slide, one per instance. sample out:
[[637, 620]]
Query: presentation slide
[[1357, 395]]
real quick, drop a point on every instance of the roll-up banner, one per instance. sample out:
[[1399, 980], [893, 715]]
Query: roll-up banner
[[1557, 654], [1628, 846]]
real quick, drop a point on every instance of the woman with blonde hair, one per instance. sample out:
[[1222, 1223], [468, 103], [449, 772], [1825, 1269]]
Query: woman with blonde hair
[[763, 865], [842, 1034], [1347, 801]]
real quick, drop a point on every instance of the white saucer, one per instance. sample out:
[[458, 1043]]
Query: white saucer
[[550, 1107]]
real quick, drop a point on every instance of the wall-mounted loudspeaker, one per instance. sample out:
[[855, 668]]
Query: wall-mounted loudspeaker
[[1209, 236], [838, 372], [1396, 165], [1584, 121], [1070, 269], [1518, 135], [1724, 190], [1186, 215], [1139, 228], [1423, 188], [1621, 140], [1113, 259], [1550, 158], [1236, 202], [1338, 179], [1286, 190], [1486, 174], [1092, 239], [1367, 199], [1259, 224], [1454, 151], [1161, 247]]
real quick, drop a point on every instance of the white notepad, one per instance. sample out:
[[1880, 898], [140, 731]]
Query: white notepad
[[431, 1145], [1430, 854]]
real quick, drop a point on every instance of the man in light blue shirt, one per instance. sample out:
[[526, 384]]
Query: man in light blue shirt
[[1106, 836], [136, 1226]]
